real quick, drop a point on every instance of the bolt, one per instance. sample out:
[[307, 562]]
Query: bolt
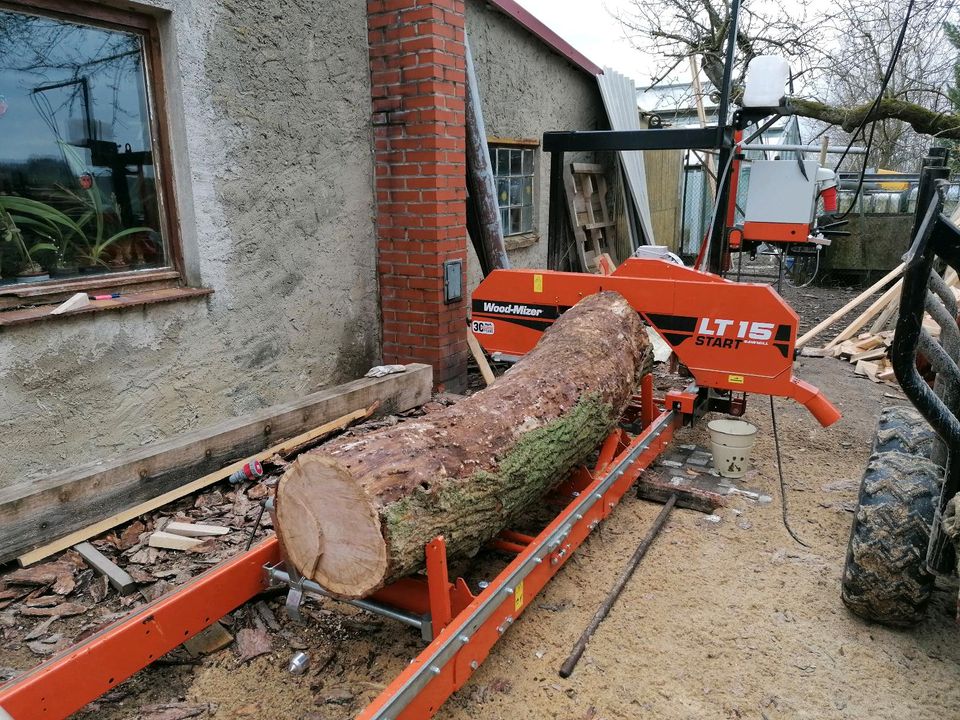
[[483, 584], [474, 664], [299, 664]]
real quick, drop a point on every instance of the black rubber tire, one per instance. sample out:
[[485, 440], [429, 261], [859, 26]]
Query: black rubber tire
[[885, 578], [903, 430]]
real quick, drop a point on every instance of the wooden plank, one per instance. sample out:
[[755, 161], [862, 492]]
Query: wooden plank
[[34, 512], [817, 352], [148, 506], [872, 342], [477, 352], [658, 489], [194, 529], [833, 317], [866, 368], [169, 541], [872, 354], [867, 315], [884, 317], [119, 578], [588, 168]]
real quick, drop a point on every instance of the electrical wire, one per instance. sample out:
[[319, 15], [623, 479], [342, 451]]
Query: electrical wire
[[783, 485], [895, 55]]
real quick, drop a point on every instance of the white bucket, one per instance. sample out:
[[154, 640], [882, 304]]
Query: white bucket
[[731, 442]]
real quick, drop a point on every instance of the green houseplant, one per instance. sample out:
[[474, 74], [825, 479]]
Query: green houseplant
[[30, 270], [85, 239]]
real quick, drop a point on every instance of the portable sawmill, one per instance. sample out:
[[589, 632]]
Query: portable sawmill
[[735, 338]]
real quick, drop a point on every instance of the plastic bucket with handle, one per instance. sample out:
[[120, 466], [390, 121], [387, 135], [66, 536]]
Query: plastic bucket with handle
[[731, 441]]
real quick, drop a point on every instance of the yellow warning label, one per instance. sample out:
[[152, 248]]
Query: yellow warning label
[[735, 379], [518, 597], [538, 283]]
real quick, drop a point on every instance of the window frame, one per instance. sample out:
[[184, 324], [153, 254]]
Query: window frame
[[174, 272], [531, 236]]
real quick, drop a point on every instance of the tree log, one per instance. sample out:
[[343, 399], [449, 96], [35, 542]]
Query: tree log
[[357, 513]]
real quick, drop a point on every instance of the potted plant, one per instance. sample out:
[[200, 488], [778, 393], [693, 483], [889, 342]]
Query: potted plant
[[86, 239], [97, 246], [51, 225], [30, 270]]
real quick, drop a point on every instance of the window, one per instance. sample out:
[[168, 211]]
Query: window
[[513, 172], [80, 171]]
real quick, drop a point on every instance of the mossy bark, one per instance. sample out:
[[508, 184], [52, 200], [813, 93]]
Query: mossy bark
[[467, 471]]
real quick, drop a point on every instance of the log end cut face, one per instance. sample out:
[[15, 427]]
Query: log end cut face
[[330, 529]]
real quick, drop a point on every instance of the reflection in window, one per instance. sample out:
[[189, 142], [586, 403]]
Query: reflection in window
[[78, 181], [513, 173]]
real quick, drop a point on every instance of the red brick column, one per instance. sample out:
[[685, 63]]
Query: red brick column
[[418, 79]]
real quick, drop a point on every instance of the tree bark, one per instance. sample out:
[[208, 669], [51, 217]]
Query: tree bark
[[358, 513], [921, 119]]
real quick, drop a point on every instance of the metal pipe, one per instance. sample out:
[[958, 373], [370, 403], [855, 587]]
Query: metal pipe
[[281, 577], [835, 149]]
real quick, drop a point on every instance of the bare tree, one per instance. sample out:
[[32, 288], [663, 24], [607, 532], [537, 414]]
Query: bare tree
[[839, 57]]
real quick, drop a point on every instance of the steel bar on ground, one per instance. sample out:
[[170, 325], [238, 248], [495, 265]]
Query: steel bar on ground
[[574, 657]]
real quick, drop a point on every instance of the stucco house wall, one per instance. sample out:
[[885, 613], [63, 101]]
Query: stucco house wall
[[526, 88], [270, 112]]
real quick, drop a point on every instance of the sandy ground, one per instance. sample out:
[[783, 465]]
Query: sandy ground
[[722, 620]]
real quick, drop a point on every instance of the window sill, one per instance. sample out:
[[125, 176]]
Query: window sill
[[139, 299], [515, 242]]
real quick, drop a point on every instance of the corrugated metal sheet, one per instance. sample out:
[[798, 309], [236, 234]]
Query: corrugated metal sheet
[[620, 100]]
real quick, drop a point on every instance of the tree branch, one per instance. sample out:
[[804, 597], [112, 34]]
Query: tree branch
[[921, 119]]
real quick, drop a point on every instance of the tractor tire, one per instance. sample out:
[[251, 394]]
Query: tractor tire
[[885, 577], [903, 430]]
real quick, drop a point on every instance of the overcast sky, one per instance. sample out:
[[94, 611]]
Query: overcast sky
[[589, 26]]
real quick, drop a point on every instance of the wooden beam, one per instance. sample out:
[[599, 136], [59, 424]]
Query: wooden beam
[[477, 352], [34, 512], [823, 325], [199, 484]]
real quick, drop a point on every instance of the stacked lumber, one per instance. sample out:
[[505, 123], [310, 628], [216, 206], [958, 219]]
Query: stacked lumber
[[868, 354], [869, 351]]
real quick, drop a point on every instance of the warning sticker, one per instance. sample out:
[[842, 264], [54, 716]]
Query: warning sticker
[[538, 283], [518, 597], [735, 379]]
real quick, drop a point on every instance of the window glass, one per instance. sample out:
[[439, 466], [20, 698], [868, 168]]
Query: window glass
[[513, 170], [78, 180]]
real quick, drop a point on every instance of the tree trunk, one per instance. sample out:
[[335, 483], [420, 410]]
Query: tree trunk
[[357, 513]]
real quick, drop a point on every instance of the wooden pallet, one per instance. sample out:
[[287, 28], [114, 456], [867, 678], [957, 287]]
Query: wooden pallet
[[593, 228]]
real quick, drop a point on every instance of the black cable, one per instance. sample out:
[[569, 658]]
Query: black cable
[[783, 485], [898, 46]]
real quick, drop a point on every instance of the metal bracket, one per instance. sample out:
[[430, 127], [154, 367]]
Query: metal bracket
[[294, 582]]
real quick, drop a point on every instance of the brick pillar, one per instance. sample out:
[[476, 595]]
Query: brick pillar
[[418, 81]]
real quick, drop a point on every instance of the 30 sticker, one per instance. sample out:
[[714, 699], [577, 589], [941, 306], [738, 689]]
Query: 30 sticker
[[482, 327]]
